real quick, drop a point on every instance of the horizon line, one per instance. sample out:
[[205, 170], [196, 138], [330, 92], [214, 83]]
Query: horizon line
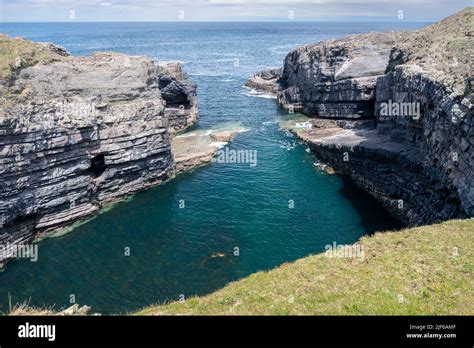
[[226, 21]]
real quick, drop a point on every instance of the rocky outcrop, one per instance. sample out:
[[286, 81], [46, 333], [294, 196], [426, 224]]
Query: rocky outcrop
[[332, 79], [179, 95], [77, 133], [266, 80], [417, 159], [442, 136], [337, 78], [74, 310], [194, 149]]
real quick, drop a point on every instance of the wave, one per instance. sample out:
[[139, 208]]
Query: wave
[[288, 145], [282, 49], [236, 127], [303, 125], [258, 94], [218, 144]]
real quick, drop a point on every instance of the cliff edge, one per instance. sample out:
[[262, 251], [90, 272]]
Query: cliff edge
[[392, 111], [80, 132], [419, 271]]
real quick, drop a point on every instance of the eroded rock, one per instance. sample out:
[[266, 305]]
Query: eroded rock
[[266, 80], [420, 165], [77, 133]]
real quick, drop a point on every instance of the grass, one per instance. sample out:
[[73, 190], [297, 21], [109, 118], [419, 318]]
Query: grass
[[25, 309], [426, 270], [17, 53], [445, 46]]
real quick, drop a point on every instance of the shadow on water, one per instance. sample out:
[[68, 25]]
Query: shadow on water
[[190, 251], [368, 207]]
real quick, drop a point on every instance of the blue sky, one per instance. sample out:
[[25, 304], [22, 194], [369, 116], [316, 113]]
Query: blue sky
[[228, 10]]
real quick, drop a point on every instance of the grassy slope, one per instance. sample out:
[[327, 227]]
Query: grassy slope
[[16, 53], [431, 267], [444, 48]]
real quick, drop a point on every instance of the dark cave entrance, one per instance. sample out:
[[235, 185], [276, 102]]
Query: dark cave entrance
[[98, 165]]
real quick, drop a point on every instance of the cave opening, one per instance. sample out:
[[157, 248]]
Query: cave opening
[[98, 165]]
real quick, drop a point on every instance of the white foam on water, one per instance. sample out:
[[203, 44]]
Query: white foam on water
[[258, 94], [205, 73], [223, 127], [288, 145], [218, 144], [303, 125]]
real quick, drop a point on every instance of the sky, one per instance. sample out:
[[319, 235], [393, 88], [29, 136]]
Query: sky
[[228, 10]]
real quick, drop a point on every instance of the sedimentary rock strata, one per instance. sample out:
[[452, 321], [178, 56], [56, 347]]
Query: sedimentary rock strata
[[266, 80], [79, 132], [335, 79], [179, 95], [414, 151]]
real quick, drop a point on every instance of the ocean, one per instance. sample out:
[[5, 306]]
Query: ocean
[[237, 219]]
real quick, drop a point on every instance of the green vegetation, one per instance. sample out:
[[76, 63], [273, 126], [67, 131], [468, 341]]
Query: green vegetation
[[445, 46], [18, 53], [419, 271], [423, 270]]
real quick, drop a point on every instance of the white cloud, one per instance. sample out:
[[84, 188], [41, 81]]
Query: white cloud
[[209, 10]]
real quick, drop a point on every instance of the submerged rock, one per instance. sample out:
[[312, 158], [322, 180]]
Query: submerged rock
[[194, 149], [419, 165]]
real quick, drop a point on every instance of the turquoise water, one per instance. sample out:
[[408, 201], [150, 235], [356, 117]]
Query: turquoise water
[[190, 250]]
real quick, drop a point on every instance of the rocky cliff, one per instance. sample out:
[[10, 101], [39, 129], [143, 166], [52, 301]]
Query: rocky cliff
[[392, 111], [266, 80], [179, 96], [80, 132], [335, 79]]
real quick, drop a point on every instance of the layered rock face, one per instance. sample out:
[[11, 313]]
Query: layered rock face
[[266, 80], [394, 113], [442, 137], [335, 79], [179, 95], [432, 69], [77, 133]]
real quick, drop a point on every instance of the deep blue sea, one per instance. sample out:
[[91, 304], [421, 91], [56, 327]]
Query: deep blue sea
[[173, 250]]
